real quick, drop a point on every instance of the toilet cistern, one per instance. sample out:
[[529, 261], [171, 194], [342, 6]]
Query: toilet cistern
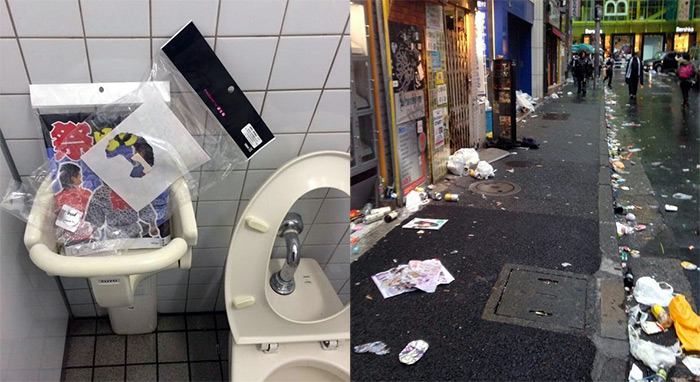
[[282, 281]]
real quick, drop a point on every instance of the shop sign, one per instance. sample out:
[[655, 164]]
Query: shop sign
[[554, 14], [575, 9], [616, 8], [591, 31], [685, 30]]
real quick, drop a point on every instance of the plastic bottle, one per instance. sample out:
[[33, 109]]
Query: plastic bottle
[[373, 217], [619, 210], [662, 318], [391, 216], [629, 279], [660, 375], [382, 210]]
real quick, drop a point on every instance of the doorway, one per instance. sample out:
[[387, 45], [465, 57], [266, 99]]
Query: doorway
[[457, 53], [652, 43]]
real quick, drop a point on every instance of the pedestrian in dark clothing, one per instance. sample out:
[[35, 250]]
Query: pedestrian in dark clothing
[[633, 75], [685, 76], [582, 69], [609, 63]]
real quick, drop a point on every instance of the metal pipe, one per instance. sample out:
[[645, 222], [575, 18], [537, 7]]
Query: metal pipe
[[375, 82]]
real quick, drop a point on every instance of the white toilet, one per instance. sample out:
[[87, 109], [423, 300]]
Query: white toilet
[[300, 333]]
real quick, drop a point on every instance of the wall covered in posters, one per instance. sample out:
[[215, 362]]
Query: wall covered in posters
[[438, 128], [408, 85]]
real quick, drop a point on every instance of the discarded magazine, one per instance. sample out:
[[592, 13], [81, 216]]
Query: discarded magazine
[[431, 224], [424, 275]]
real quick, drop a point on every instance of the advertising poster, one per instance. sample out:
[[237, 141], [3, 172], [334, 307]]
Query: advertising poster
[[439, 127], [410, 161]]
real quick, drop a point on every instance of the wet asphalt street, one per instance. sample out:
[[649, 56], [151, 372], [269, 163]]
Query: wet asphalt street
[[669, 137]]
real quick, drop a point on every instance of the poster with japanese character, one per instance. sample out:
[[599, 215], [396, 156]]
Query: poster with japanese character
[[91, 217]]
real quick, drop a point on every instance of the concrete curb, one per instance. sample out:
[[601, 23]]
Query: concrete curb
[[612, 349]]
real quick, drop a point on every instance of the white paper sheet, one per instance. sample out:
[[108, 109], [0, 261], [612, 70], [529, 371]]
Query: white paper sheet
[[122, 161]]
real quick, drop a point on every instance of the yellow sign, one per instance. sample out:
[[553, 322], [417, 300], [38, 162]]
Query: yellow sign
[[439, 78]]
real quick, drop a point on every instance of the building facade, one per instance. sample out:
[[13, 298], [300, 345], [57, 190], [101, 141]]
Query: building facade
[[645, 26]]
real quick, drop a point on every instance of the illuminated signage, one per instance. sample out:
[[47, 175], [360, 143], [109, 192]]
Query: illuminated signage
[[591, 31], [616, 8], [685, 29]]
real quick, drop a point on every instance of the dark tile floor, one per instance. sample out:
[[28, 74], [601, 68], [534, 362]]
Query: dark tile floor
[[191, 347]]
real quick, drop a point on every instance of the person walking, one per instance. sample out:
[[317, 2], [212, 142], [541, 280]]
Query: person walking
[[582, 69], [685, 75], [633, 75], [609, 63]]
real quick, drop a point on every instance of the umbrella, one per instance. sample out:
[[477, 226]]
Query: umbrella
[[588, 47]]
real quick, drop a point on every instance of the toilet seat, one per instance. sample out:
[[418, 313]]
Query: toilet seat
[[251, 317]]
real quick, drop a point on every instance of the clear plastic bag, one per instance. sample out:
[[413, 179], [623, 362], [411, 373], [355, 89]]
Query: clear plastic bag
[[115, 152], [649, 292], [653, 355]]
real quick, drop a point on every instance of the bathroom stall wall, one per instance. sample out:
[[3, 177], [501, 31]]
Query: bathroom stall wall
[[291, 57], [33, 315]]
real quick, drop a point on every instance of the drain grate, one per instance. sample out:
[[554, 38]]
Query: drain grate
[[539, 298], [494, 188], [556, 116]]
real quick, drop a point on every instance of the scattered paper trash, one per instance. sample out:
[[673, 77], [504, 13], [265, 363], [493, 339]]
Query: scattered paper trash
[[569, 93], [413, 352], [378, 348], [651, 327], [565, 265], [636, 374], [682, 196], [424, 275], [510, 170], [430, 224], [692, 362], [671, 208], [555, 96]]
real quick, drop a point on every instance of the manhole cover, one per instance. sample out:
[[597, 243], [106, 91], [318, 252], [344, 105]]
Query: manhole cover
[[518, 163], [539, 298], [494, 188], [556, 116]]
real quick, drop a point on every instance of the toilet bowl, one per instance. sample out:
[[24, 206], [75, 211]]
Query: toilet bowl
[[300, 336]]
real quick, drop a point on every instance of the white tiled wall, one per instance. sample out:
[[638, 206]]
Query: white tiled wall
[[33, 316], [289, 56]]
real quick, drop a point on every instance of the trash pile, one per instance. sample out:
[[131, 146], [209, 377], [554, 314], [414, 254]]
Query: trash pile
[[525, 102], [663, 329], [424, 275], [466, 162], [658, 317]]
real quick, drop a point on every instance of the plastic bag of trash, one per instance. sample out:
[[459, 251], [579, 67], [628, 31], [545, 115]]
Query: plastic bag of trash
[[523, 101], [413, 201], [649, 292], [462, 159], [653, 355], [682, 196], [484, 170]]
